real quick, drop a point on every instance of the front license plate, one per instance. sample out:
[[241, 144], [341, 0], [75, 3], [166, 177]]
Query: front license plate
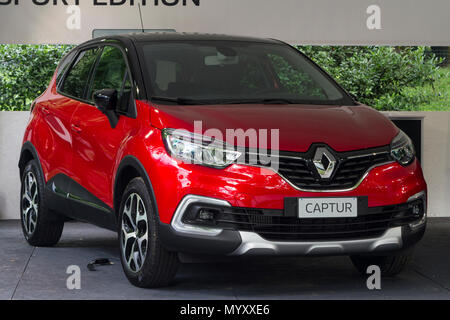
[[327, 207]]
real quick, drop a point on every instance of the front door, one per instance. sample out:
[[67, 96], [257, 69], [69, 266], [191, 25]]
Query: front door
[[96, 143]]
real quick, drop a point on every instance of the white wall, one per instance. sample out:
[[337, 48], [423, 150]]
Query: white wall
[[12, 128], [435, 158], [402, 22], [435, 153]]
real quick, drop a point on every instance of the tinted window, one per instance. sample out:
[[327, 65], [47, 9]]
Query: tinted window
[[295, 81], [64, 64], [235, 71], [111, 73], [76, 80]]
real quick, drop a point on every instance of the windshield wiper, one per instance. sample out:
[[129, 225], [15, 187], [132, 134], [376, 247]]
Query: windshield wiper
[[283, 101], [186, 101], [179, 101], [278, 101], [261, 101]]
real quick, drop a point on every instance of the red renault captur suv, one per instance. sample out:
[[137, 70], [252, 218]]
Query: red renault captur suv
[[216, 145]]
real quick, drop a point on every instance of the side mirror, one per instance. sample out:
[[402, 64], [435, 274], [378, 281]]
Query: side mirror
[[106, 101]]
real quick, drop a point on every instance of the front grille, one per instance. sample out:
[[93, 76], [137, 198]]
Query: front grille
[[299, 169], [273, 225]]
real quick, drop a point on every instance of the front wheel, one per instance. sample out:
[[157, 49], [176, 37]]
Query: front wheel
[[145, 262], [390, 265]]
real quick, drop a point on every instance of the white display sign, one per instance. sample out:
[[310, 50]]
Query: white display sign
[[384, 22]]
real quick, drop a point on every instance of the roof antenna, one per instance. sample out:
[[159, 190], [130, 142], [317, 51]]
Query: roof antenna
[[142, 21]]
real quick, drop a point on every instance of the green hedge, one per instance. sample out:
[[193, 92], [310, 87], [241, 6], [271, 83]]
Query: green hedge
[[25, 71], [387, 78], [380, 76]]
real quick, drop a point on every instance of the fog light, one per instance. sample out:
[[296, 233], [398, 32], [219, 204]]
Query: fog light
[[419, 209], [206, 215], [416, 210]]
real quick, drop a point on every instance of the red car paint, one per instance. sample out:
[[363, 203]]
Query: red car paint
[[76, 139], [115, 163], [299, 125]]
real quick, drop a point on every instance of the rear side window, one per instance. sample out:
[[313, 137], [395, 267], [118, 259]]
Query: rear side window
[[64, 65], [112, 73], [75, 82]]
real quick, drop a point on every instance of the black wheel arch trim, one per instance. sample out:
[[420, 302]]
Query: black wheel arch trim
[[132, 161], [411, 236], [29, 147]]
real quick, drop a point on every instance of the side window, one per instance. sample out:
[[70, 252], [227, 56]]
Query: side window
[[77, 78], [112, 73], [63, 65]]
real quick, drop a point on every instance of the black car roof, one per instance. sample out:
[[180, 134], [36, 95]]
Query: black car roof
[[175, 36]]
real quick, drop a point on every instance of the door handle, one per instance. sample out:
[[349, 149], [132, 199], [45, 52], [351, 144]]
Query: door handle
[[45, 111], [76, 128]]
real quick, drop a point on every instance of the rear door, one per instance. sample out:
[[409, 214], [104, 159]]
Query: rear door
[[59, 109]]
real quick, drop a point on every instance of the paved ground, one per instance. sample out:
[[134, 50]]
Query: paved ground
[[40, 273]]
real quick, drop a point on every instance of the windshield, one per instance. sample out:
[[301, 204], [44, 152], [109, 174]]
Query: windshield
[[229, 72]]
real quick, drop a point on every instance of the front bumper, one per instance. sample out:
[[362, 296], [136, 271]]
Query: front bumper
[[253, 244], [246, 186], [187, 238]]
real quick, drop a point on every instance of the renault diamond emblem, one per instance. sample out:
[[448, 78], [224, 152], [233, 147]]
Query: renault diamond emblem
[[324, 162]]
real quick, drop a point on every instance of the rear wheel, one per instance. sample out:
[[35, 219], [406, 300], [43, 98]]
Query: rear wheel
[[145, 262], [390, 265], [40, 226]]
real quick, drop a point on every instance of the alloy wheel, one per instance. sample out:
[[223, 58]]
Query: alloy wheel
[[30, 203], [134, 232]]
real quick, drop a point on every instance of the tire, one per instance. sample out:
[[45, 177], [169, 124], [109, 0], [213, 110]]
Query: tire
[[390, 265], [144, 260], [40, 226]]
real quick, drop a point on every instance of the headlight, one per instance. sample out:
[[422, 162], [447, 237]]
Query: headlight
[[198, 149], [402, 149]]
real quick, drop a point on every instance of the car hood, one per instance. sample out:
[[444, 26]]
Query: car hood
[[343, 128]]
